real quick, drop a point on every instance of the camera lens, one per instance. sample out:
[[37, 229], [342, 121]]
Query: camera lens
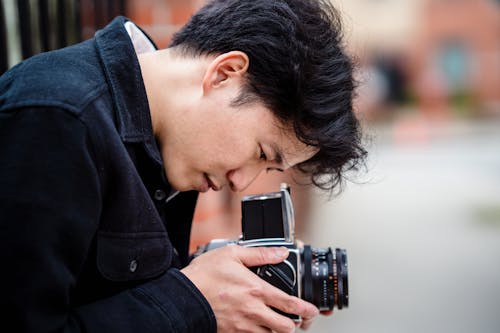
[[324, 278]]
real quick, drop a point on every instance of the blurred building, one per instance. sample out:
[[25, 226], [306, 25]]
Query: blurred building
[[379, 34], [379, 26], [440, 55], [456, 55]]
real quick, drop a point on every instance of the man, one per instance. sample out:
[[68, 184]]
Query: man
[[105, 145]]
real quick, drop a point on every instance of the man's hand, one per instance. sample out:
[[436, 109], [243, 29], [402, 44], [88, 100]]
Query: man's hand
[[307, 322], [240, 299]]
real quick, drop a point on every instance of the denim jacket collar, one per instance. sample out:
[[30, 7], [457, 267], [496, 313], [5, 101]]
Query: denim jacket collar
[[123, 73]]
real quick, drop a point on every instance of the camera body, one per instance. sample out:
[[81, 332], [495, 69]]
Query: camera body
[[317, 275]]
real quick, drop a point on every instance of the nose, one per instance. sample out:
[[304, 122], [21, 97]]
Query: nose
[[239, 179]]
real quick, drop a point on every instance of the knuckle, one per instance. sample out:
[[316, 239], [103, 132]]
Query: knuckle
[[253, 316], [262, 254], [257, 290], [291, 306], [241, 327]]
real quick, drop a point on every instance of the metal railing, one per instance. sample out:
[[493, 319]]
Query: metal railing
[[43, 25]]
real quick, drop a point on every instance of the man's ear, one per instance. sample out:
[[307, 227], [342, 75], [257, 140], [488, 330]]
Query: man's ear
[[227, 66]]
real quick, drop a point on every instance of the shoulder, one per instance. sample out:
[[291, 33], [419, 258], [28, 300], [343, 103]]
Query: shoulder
[[66, 78]]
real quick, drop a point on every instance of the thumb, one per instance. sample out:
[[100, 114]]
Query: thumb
[[258, 256]]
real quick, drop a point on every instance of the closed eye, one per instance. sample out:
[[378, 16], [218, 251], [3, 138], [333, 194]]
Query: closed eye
[[263, 155], [274, 169]]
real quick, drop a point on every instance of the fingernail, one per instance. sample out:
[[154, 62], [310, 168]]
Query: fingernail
[[281, 252]]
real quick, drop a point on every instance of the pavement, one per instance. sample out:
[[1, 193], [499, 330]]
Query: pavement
[[422, 231]]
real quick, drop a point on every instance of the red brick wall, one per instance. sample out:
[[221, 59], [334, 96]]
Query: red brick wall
[[161, 18]]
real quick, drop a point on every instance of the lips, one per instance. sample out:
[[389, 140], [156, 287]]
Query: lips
[[205, 186], [210, 183]]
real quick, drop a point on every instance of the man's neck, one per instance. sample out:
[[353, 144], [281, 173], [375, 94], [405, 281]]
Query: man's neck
[[173, 83]]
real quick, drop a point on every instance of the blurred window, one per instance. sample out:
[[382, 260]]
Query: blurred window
[[453, 62]]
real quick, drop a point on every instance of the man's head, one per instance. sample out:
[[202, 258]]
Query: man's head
[[290, 57]]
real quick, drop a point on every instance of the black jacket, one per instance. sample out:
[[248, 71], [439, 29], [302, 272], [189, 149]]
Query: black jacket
[[86, 237]]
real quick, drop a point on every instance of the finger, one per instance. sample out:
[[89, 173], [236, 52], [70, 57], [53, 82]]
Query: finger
[[327, 313], [257, 256], [274, 321], [245, 326], [306, 324], [259, 329], [300, 244], [289, 304], [265, 329]]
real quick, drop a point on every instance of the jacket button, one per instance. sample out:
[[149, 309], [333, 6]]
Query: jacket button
[[133, 266], [160, 195]]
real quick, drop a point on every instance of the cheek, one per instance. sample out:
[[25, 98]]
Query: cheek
[[230, 150]]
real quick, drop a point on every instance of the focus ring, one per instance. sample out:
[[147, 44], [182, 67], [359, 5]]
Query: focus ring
[[307, 286]]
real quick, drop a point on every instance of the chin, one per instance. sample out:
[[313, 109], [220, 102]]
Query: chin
[[180, 181], [179, 187], [182, 187], [175, 184]]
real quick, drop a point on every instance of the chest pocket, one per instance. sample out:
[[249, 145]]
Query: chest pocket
[[132, 256]]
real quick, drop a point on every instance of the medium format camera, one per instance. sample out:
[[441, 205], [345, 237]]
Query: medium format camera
[[317, 275]]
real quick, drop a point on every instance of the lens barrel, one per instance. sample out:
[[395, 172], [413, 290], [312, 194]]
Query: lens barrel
[[341, 287], [324, 278]]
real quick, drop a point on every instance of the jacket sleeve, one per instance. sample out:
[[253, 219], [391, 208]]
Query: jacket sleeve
[[50, 204]]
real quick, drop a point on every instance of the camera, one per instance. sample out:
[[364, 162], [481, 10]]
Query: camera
[[317, 275]]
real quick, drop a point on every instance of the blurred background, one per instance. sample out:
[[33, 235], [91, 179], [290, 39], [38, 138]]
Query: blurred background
[[422, 223]]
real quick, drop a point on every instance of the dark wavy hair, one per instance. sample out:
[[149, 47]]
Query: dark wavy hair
[[298, 68]]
